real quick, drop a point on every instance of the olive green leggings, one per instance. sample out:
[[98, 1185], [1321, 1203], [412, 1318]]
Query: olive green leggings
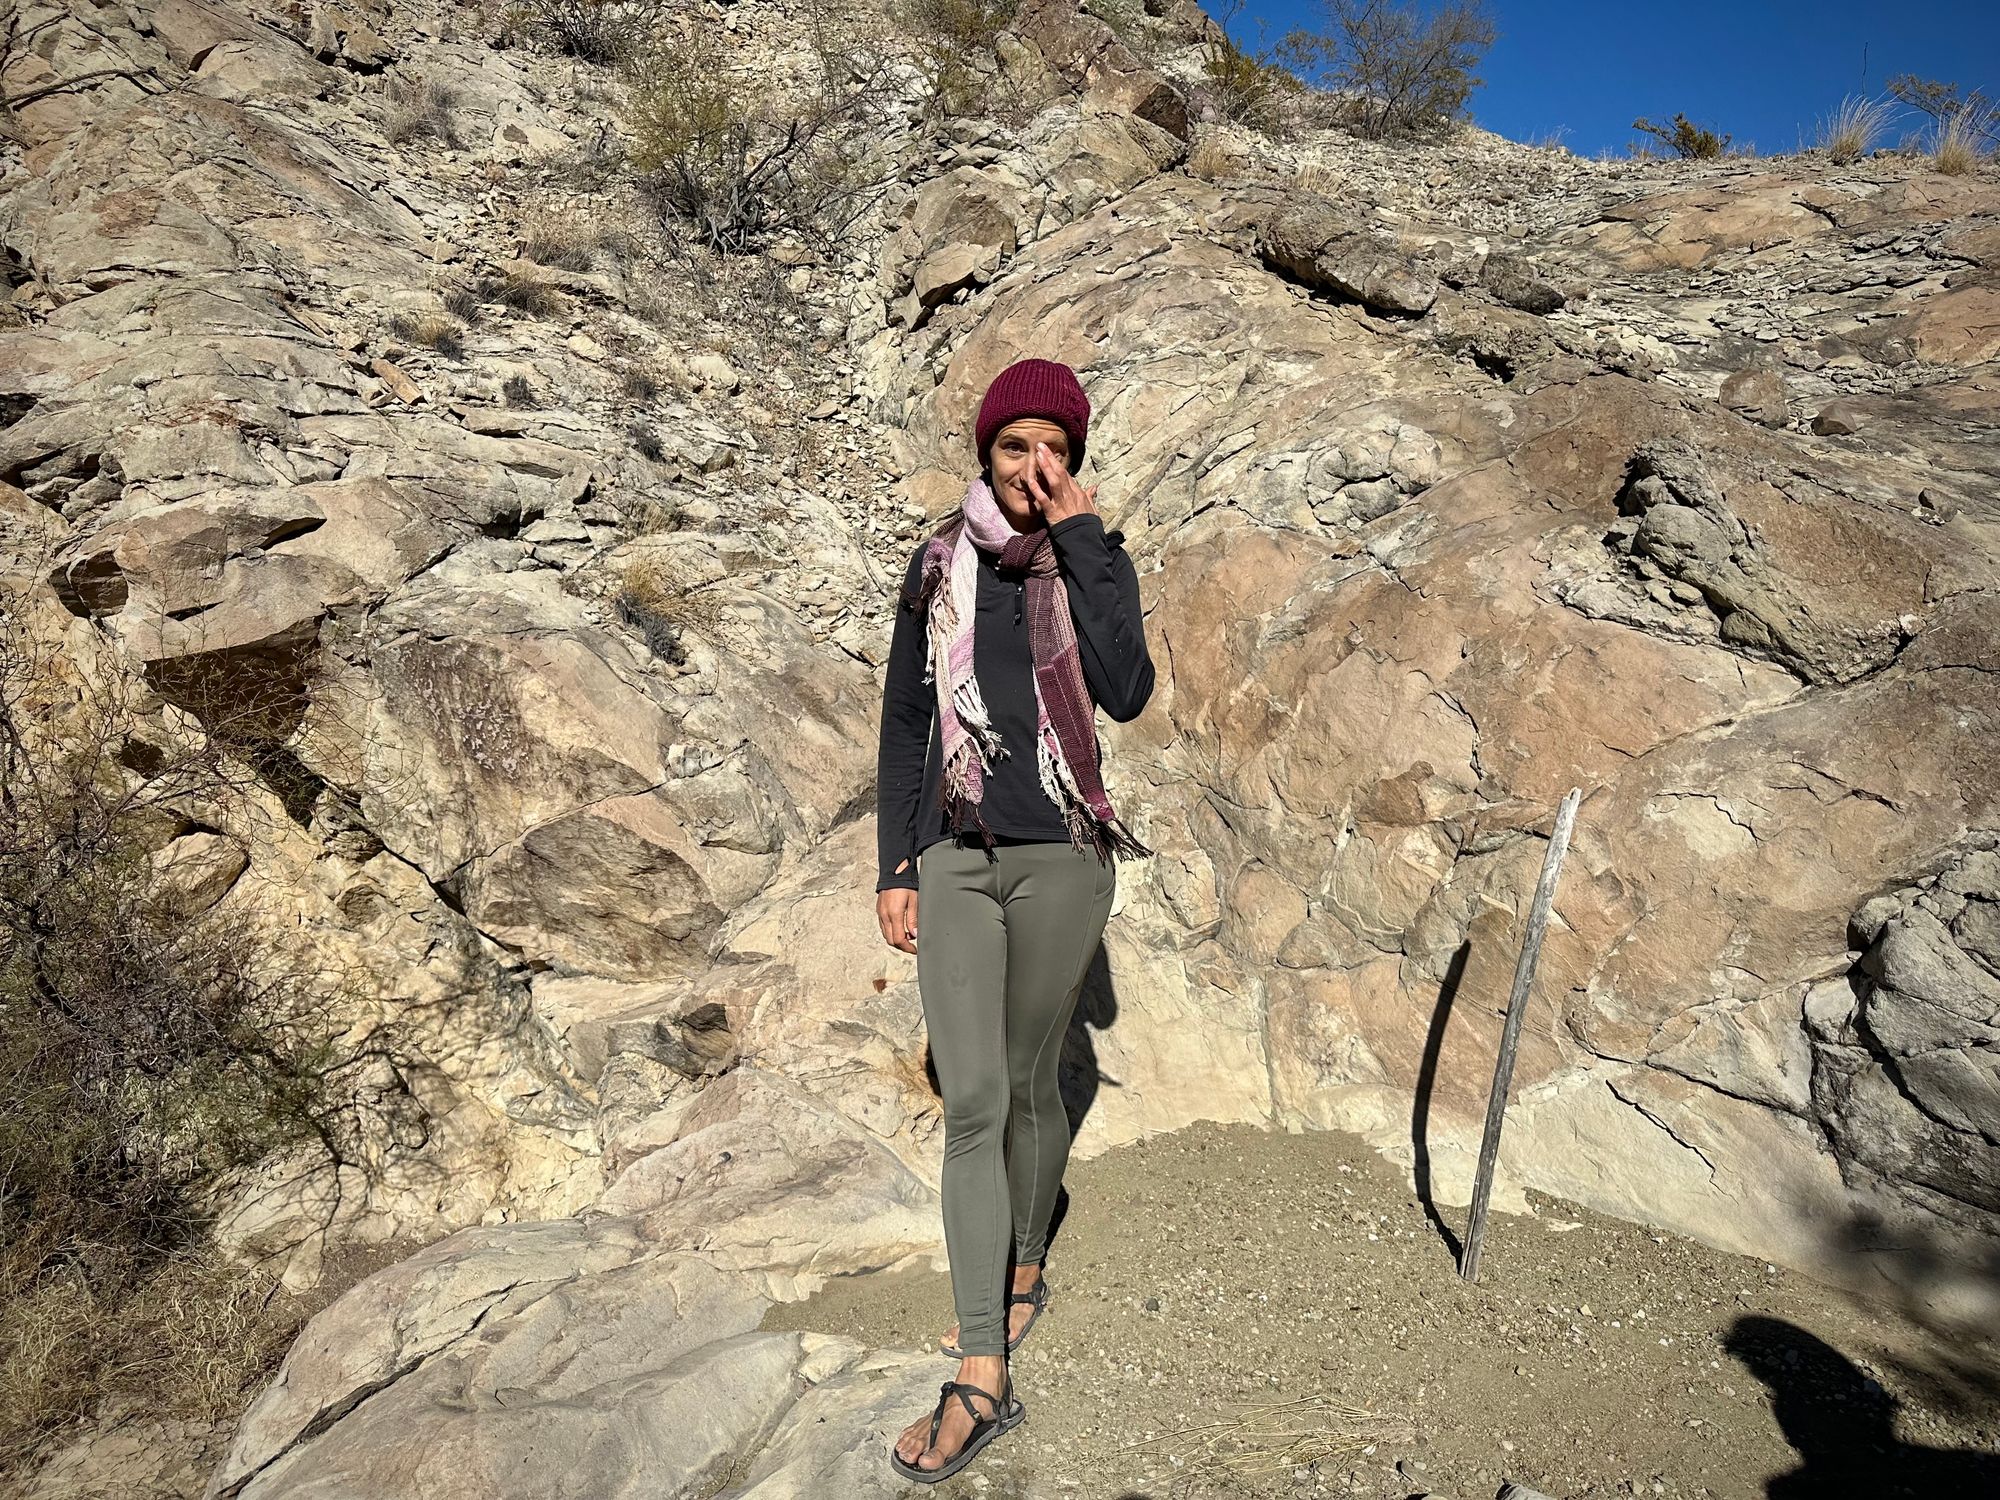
[[1002, 949]]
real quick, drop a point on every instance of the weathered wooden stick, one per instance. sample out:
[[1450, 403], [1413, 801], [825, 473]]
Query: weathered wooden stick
[[1510, 1031]]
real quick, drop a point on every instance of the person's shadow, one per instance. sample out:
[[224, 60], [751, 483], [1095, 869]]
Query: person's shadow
[[1080, 1078], [1843, 1425]]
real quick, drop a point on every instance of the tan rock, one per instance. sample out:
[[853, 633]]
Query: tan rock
[[1683, 229], [199, 869], [1758, 394]]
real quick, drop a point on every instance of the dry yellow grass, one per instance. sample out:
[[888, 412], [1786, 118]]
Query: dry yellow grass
[[1963, 143], [433, 330], [562, 238], [188, 1337], [1320, 179], [661, 602], [1850, 132]]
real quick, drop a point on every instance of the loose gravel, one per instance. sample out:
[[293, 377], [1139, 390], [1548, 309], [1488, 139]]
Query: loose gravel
[[1216, 1267]]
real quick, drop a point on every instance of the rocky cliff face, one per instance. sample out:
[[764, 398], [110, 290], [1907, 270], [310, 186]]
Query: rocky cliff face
[[1457, 477]]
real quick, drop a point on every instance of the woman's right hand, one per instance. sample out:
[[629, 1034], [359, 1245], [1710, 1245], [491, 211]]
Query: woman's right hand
[[896, 910]]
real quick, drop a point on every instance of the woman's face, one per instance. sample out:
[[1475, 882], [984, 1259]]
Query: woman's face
[[1010, 459]]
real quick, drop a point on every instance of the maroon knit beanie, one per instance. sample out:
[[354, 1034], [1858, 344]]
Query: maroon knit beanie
[[1035, 388]]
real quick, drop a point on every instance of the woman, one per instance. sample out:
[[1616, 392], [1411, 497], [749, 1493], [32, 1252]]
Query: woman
[[1019, 617]]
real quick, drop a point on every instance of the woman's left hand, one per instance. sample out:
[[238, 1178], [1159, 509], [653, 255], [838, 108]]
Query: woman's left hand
[[1056, 493]]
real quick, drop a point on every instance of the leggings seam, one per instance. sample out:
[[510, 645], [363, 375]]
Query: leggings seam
[[1062, 1014]]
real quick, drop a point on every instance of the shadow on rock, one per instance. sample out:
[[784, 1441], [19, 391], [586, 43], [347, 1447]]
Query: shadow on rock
[[1096, 1009], [1081, 1078], [1420, 1101], [1842, 1424]]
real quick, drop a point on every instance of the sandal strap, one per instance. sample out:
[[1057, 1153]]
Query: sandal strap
[[1036, 1295], [937, 1417], [965, 1394]]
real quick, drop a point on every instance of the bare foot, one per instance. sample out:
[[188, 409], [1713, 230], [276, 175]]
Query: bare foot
[[986, 1371], [1018, 1313]]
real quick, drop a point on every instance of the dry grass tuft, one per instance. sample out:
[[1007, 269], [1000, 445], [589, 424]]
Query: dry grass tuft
[[188, 1338], [463, 303], [436, 330], [1211, 160], [660, 603], [1321, 180], [639, 383], [421, 110], [649, 515], [562, 240], [523, 293], [1850, 132], [1963, 142]]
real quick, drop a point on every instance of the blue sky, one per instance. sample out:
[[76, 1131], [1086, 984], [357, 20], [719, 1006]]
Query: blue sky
[[1762, 71]]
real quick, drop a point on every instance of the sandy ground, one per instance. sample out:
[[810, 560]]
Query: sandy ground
[[1201, 1276]]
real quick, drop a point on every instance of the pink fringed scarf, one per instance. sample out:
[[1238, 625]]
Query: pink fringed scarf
[[1066, 749]]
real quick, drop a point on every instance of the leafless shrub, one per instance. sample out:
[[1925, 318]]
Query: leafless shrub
[[951, 39], [151, 1045], [597, 31], [1977, 117], [1402, 72], [1250, 86], [1243, 88], [735, 161]]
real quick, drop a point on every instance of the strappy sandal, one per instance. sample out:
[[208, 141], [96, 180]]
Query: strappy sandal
[[984, 1430], [1036, 1297]]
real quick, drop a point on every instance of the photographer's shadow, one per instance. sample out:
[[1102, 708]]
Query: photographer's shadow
[[1842, 1424]]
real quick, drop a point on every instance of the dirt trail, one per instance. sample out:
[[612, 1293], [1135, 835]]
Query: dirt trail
[[1228, 1265]]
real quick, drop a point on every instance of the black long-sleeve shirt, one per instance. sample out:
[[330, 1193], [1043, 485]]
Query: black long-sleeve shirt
[[1103, 589]]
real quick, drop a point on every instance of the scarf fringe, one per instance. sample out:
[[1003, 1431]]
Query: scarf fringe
[[978, 743]]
